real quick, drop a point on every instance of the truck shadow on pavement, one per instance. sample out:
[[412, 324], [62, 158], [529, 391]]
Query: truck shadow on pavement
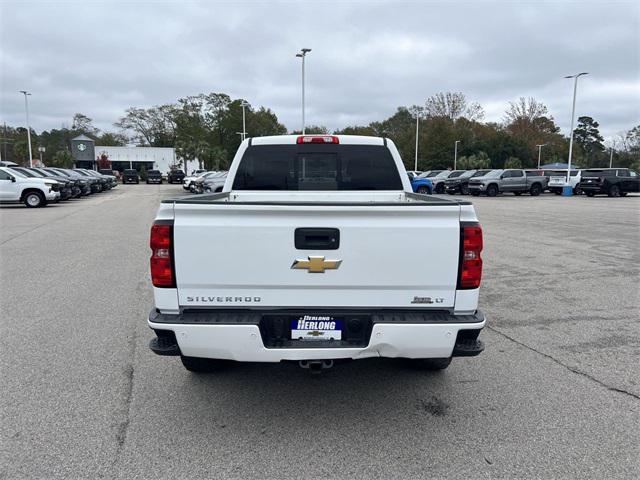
[[349, 392]]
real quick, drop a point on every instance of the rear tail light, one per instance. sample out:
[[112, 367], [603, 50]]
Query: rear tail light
[[318, 139], [161, 261], [470, 270]]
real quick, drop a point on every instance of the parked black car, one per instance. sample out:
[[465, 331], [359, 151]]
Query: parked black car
[[615, 182], [91, 185], [154, 176], [76, 185], [108, 181], [175, 176], [460, 183], [103, 183], [130, 176]]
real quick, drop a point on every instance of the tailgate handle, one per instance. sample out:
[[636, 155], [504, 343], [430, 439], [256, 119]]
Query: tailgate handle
[[317, 238]]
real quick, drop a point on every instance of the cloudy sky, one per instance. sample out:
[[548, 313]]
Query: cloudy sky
[[368, 57]]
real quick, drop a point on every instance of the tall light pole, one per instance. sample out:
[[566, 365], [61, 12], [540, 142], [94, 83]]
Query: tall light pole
[[244, 104], [417, 126], [567, 188], [26, 111], [303, 56], [455, 154], [540, 153]]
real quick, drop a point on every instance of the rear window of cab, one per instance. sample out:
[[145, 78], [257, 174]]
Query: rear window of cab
[[317, 167]]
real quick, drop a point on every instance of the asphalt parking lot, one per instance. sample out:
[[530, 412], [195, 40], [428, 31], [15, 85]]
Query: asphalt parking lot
[[556, 393]]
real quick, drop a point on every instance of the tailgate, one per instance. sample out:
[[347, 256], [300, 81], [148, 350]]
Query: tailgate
[[557, 181], [234, 255]]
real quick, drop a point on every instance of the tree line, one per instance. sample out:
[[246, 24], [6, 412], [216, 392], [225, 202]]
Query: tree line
[[207, 126]]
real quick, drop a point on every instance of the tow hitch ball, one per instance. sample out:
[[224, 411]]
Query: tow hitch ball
[[316, 366]]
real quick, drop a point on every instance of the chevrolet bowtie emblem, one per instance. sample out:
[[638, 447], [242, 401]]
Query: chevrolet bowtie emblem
[[315, 333], [316, 264]]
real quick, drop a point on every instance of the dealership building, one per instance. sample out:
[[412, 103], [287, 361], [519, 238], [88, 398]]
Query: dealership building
[[85, 154]]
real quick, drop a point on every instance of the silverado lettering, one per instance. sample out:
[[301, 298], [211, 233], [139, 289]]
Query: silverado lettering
[[224, 299]]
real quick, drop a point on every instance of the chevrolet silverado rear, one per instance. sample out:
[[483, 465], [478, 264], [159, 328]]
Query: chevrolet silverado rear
[[316, 250]]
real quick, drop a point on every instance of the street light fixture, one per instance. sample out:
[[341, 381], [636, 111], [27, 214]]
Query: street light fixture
[[540, 152], [303, 55], [26, 111], [567, 190], [455, 154], [244, 104]]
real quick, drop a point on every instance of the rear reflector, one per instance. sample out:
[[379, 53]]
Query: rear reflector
[[470, 273], [318, 139], [161, 260]]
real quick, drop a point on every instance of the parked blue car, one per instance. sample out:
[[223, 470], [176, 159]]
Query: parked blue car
[[421, 185]]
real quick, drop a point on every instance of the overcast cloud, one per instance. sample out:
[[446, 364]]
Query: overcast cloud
[[368, 58]]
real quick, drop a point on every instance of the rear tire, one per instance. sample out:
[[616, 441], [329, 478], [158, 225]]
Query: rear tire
[[440, 188], [201, 365], [492, 191], [614, 191], [589, 194], [34, 200], [577, 190], [517, 194], [464, 190], [430, 363], [422, 189], [535, 190]]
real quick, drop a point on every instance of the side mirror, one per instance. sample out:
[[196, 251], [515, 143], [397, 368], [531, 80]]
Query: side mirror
[[501, 177], [13, 179]]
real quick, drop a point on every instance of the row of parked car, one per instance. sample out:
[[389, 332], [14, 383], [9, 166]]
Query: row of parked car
[[38, 186], [203, 181], [614, 182]]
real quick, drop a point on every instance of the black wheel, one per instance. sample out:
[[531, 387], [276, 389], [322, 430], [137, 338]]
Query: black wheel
[[464, 190], [475, 194], [623, 194], [577, 190], [147, 182], [614, 191], [589, 194], [535, 190], [517, 194], [492, 190], [201, 365], [557, 192], [440, 188], [137, 182], [430, 363], [422, 189], [34, 200]]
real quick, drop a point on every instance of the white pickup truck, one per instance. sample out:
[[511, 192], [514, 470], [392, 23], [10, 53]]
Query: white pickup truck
[[304, 256]]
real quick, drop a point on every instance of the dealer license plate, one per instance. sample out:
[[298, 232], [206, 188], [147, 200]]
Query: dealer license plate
[[316, 327]]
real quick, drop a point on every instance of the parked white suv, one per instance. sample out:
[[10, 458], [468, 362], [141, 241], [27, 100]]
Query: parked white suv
[[33, 192]]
